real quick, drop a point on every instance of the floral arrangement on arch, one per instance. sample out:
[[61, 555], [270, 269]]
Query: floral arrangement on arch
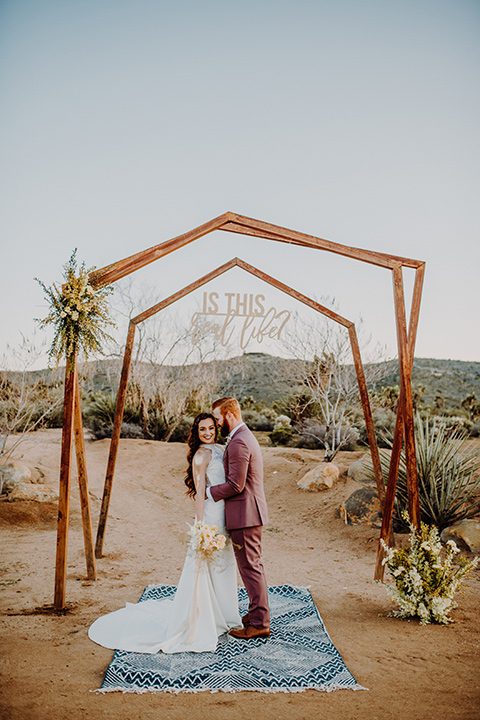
[[206, 540], [426, 578], [78, 312]]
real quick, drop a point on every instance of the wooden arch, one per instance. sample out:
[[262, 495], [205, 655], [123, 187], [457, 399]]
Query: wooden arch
[[231, 222], [122, 391]]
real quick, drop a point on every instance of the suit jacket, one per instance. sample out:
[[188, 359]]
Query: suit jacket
[[245, 504]]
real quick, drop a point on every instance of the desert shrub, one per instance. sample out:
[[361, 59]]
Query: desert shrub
[[297, 406], [384, 425], [182, 431], [156, 424], [269, 413], [282, 436], [475, 430], [257, 420], [101, 410], [282, 421], [128, 430], [448, 479], [314, 435]]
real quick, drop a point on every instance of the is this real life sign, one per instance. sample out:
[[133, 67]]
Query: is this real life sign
[[237, 314]]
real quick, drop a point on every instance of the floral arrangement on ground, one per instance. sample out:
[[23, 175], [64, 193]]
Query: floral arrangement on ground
[[426, 576]]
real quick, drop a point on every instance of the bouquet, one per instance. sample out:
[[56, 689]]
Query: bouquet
[[425, 576], [206, 540]]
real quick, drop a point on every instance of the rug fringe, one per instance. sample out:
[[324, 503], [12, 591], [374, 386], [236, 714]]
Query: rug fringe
[[265, 691]]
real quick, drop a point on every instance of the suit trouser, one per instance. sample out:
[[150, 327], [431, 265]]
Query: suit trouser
[[247, 543]]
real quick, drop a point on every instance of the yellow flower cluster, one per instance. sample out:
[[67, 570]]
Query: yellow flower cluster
[[78, 312], [206, 540]]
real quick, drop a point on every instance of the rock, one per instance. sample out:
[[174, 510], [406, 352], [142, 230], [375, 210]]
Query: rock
[[321, 477], [362, 471], [27, 491], [362, 507], [466, 533], [13, 473]]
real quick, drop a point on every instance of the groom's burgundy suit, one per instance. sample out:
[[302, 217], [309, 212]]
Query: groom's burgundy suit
[[246, 513]]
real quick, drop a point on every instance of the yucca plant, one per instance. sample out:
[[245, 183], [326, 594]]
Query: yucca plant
[[448, 485], [102, 406]]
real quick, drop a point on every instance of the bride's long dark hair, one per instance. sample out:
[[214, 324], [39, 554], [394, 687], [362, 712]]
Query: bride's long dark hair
[[194, 443]]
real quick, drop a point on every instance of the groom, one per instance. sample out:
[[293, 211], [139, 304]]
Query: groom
[[245, 512]]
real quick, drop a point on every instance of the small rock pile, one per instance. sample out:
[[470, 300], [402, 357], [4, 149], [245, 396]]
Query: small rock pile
[[16, 483]]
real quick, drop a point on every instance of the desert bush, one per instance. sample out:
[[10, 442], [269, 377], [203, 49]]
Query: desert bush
[[282, 436], [257, 420], [101, 410], [384, 424], [448, 479], [475, 430], [315, 436], [27, 398], [128, 430], [282, 421], [182, 431]]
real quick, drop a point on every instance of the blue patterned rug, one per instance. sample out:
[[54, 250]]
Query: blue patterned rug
[[297, 656]]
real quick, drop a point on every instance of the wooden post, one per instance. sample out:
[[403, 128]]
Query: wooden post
[[117, 427], [386, 530], [64, 492], [83, 485], [405, 367], [367, 414]]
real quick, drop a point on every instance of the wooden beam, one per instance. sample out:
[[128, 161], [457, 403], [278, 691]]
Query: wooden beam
[[242, 224], [232, 222], [64, 492], [407, 401], [117, 427], [122, 268], [185, 291], [387, 515], [83, 485], [367, 414], [293, 293]]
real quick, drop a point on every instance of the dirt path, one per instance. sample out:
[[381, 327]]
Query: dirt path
[[48, 665]]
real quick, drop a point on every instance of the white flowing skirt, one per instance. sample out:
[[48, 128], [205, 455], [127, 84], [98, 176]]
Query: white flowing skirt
[[204, 606]]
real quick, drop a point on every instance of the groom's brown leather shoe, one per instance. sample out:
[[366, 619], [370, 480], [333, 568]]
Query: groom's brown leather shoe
[[246, 620], [249, 632]]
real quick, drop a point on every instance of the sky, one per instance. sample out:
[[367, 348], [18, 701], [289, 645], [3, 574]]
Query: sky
[[123, 124]]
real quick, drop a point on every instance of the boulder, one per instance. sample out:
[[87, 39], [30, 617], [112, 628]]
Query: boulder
[[13, 473], [466, 534], [362, 507], [28, 491], [362, 471], [321, 477]]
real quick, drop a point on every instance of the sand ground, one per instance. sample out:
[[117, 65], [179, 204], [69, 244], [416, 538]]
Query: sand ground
[[48, 666]]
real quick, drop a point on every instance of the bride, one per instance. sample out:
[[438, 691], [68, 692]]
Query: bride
[[205, 604]]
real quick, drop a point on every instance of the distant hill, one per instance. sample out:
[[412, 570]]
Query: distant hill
[[267, 378], [454, 379]]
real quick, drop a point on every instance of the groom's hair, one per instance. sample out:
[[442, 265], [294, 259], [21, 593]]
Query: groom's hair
[[228, 404]]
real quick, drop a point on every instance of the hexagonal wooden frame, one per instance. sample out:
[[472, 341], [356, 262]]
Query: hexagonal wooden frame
[[231, 222]]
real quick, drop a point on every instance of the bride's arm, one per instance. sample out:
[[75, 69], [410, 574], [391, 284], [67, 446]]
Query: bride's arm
[[200, 463]]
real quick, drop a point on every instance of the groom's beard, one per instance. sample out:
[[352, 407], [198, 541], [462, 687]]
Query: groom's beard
[[224, 429]]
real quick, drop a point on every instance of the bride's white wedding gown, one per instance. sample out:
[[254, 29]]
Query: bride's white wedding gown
[[205, 604]]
